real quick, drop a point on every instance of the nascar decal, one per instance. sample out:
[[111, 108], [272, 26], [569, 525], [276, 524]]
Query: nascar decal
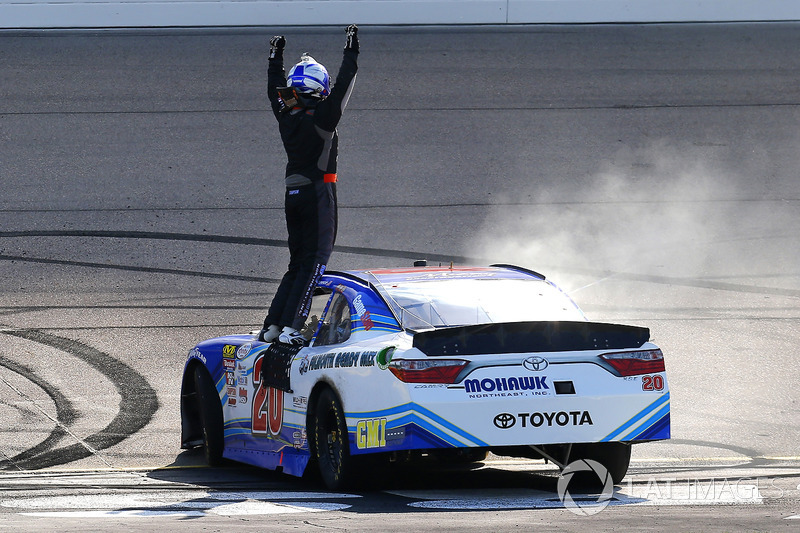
[[243, 350], [655, 415]]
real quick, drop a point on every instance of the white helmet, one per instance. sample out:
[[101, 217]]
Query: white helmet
[[309, 77]]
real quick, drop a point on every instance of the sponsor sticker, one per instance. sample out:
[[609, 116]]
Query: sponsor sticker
[[299, 439], [371, 433], [508, 387], [337, 360], [543, 419], [300, 402], [229, 351], [384, 357], [195, 353], [243, 350], [362, 312]]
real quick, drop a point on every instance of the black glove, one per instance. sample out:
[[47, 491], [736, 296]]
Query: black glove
[[276, 45], [352, 37]]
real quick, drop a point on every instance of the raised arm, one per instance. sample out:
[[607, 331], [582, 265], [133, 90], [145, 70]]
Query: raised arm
[[335, 104], [276, 75]]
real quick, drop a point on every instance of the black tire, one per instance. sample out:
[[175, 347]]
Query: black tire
[[331, 442], [211, 419], [614, 456]]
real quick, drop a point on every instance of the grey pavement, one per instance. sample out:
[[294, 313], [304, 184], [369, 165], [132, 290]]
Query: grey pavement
[[651, 170]]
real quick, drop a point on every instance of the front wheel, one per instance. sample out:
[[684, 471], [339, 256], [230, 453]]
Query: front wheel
[[331, 443], [210, 409]]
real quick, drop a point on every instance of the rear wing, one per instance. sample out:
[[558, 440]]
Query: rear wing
[[527, 337]]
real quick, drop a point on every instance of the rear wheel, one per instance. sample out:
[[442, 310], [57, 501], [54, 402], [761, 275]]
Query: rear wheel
[[210, 409], [614, 456], [331, 442]]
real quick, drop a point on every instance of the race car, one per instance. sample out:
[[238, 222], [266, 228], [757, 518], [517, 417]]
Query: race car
[[447, 362]]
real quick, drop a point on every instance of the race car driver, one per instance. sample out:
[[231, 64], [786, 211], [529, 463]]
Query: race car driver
[[308, 112]]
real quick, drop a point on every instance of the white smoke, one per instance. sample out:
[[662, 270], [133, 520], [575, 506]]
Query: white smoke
[[658, 211]]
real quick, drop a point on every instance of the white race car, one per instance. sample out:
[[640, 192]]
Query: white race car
[[452, 362]]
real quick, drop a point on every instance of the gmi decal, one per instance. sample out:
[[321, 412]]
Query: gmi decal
[[371, 433]]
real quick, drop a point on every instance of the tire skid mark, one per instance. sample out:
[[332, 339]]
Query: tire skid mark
[[754, 458], [357, 250], [150, 270], [65, 416], [244, 326], [225, 239], [138, 402], [10, 311], [134, 307]]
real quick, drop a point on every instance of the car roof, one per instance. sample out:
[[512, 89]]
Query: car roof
[[443, 273], [378, 285]]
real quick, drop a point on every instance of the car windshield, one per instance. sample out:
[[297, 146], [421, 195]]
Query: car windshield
[[463, 302]]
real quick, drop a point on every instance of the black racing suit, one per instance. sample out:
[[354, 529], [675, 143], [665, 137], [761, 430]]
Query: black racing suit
[[308, 132]]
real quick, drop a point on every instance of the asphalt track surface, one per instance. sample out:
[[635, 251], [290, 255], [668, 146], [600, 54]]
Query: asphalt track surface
[[649, 170]]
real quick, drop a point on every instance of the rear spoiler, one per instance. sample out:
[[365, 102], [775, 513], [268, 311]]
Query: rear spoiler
[[526, 337]]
